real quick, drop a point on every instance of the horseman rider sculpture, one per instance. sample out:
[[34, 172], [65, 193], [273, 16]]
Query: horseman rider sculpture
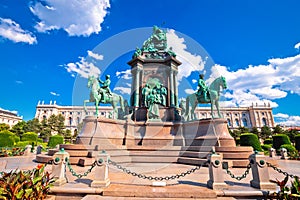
[[105, 86], [203, 89]]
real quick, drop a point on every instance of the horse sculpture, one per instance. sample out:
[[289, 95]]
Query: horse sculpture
[[97, 95], [214, 96]]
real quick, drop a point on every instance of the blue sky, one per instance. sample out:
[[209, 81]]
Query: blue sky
[[48, 47]]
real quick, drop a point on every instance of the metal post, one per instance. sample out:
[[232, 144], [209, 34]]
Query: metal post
[[60, 160], [260, 173], [101, 178], [216, 179]]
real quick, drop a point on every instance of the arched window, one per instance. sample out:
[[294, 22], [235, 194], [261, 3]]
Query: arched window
[[245, 123], [70, 121], [44, 117], [78, 120], [264, 121], [229, 122], [237, 122]]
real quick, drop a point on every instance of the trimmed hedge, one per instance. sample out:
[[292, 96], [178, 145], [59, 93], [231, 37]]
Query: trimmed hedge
[[30, 136], [268, 141], [7, 139], [250, 139], [266, 147], [55, 140], [22, 143], [279, 140], [297, 142], [290, 148]]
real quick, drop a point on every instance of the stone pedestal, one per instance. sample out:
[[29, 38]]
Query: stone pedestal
[[216, 179], [60, 160], [101, 178], [260, 173]]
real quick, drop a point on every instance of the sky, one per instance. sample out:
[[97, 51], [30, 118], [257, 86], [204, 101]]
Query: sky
[[48, 48]]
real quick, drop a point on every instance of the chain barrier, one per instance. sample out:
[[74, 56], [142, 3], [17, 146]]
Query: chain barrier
[[244, 175], [81, 175], [143, 176], [280, 171]]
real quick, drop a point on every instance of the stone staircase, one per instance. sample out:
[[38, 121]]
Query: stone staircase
[[193, 155]]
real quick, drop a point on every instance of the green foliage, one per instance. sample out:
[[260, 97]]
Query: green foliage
[[268, 141], [265, 132], [290, 148], [255, 131], [237, 141], [19, 128], [17, 151], [32, 184], [33, 126], [4, 127], [266, 147], [243, 129], [292, 134], [250, 139], [279, 140], [286, 192], [30, 136], [297, 142], [7, 139], [277, 130], [55, 140], [22, 143]]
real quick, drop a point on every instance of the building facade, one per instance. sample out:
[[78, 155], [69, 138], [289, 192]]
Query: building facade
[[8, 117], [253, 116]]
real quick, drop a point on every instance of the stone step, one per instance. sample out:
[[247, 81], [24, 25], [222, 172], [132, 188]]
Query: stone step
[[157, 153], [154, 159], [235, 155], [154, 148], [191, 161], [238, 163], [193, 154], [234, 149], [197, 148], [43, 158]]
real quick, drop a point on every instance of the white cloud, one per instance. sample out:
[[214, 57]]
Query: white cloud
[[286, 120], [263, 83], [124, 74], [123, 90], [54, 94], [95, 55], [281, 115], [194, 81], [189, 91], [189, 61], [80, 17], [11, 30], [297, 46], [19, 82], [83, 68]]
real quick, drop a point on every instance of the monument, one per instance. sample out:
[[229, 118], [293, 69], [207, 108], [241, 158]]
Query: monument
[[156, 121]]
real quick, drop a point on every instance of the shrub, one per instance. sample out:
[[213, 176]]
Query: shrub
[[297, 142], [55, 140], [250, 139], [237, 141], [268, 141], [279, 140], [31, 184], [29, 136], [266, 147], [290, 148], [7, 139], [22, 144]]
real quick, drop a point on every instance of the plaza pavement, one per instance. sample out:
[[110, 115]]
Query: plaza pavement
[[125, 186]]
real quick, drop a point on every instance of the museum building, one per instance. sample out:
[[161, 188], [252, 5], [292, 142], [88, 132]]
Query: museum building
[[8, 117], [252, 116]]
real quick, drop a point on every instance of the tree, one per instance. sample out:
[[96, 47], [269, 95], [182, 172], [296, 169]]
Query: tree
[[4, 127], [19, 128], [265, 132], [243, 129], [45, 132], [277, 130], [60, 124], [255, 131], [56, 124], [33, 125]]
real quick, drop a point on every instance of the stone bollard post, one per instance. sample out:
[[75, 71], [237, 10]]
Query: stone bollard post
[[272, 152], [39, 149], [27, 150], [60, 160], [283, 153], [216, 179], [260, 173], [101, 178]]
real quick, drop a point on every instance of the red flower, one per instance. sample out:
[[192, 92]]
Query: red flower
[[39, 166]]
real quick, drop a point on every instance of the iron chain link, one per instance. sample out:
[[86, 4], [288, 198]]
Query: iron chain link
[[244, 175], [280, 171], [156, 178], [81, 175]]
